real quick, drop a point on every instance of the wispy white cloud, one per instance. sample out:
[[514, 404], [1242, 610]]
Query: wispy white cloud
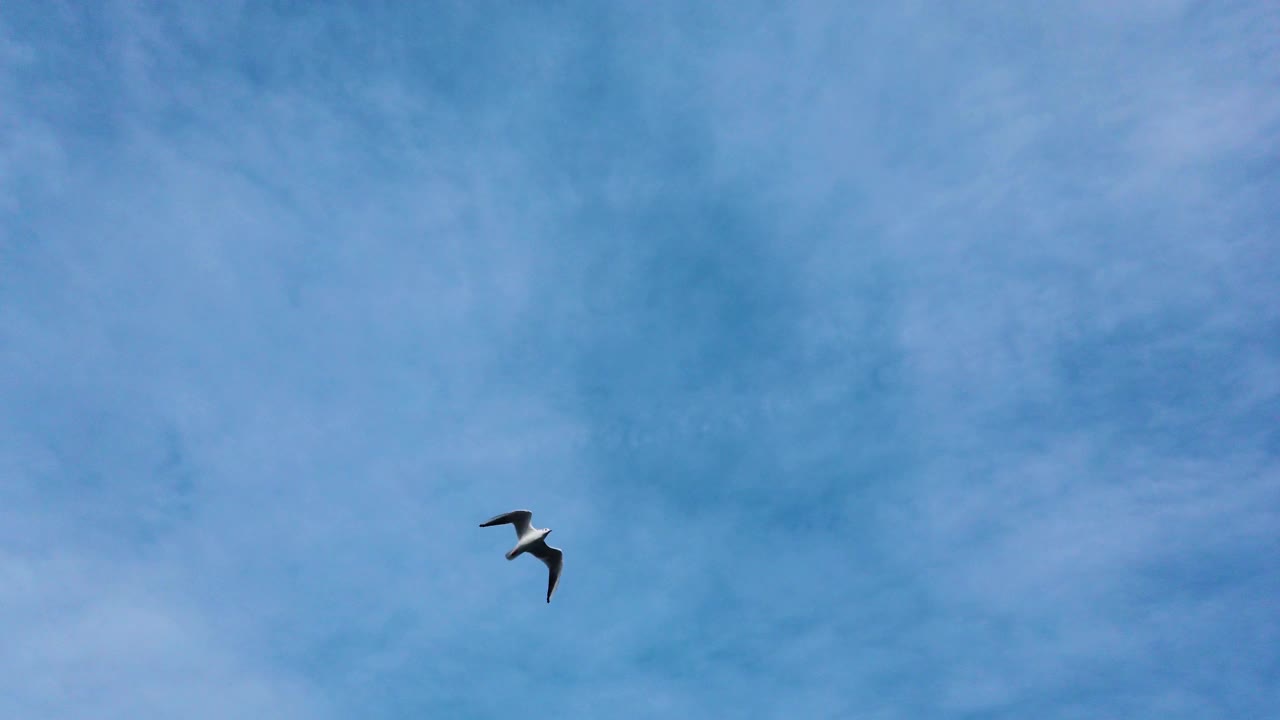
[[95, 636]]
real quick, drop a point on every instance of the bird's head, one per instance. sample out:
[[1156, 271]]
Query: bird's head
[[548, 532]]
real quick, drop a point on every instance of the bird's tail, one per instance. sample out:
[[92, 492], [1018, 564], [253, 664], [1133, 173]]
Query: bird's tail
[[513, 552]]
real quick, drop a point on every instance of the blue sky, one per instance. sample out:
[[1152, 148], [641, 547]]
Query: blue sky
[[881, 362]]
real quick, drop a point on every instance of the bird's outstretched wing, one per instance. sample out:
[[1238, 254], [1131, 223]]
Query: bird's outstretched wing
[[520, 518], [554, 559]]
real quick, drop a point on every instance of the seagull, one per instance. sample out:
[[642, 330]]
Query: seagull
[[533, 541]]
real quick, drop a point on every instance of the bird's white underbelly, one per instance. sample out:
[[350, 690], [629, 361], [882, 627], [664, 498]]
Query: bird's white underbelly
[[524, 542], [528, 539]]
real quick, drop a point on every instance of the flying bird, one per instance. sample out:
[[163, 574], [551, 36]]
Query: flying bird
[[532, 540]]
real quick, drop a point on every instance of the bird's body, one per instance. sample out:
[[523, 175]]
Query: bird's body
[[532, 540]]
